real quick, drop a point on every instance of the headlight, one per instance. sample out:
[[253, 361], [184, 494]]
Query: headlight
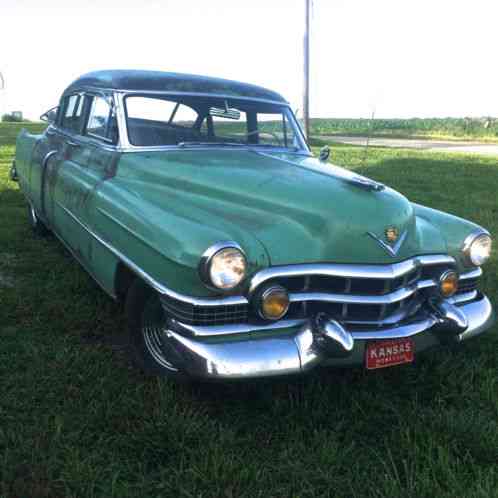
[[477, 248], [223, 266]]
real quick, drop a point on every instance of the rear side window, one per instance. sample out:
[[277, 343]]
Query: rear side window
[[72, 116], [102, 120]]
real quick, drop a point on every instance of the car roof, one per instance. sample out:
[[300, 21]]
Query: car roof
[[160, 81]]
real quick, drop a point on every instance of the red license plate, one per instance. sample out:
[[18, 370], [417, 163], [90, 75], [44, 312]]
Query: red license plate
[[389, 353]]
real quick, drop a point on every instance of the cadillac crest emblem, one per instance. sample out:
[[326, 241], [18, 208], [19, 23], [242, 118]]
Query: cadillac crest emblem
[[392, 234]]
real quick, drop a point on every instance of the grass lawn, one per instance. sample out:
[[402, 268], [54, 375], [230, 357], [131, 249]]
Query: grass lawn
[[77, 420]]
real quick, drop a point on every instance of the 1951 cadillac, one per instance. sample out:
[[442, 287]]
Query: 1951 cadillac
[[238, 254]]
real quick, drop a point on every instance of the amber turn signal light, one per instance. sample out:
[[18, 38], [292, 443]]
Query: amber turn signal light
[[448, 283], [274, 303]]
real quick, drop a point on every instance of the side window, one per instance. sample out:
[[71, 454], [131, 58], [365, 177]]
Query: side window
[[102, 120], [155, 121], [72, 117]]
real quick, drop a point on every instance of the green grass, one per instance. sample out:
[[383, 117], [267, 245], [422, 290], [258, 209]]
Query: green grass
[[77, 420]]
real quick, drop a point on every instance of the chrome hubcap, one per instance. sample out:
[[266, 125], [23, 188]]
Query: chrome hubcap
[[155, 334]]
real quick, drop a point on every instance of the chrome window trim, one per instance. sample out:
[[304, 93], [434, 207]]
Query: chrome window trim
[[172, 148], [98, 137], [127, 146], [83, 139]]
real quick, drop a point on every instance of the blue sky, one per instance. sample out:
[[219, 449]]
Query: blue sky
[[401, 58]]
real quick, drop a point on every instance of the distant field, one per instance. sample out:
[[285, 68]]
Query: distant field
[[78, 421], [9, 131], [482, 129]]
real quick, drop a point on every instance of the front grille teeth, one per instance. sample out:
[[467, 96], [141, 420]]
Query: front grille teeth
[[404, 295]]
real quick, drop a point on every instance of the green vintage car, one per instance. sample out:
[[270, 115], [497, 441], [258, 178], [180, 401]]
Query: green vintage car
[[197, 202]]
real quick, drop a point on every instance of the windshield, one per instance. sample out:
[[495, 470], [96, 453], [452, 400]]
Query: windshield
[[190, 121]]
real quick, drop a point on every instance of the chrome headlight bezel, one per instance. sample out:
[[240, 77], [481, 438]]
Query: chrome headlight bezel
[[209, 256], [470, 244]]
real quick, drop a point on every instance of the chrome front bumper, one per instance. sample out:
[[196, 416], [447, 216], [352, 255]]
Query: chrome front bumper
[[290, 348]]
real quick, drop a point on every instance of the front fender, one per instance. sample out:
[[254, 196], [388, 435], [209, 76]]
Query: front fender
[[166, 243], [453, 229]]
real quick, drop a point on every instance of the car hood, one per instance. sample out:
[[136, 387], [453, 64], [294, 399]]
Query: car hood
[[299, 209]]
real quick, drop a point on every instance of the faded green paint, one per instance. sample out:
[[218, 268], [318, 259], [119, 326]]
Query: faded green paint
[[164, 209]]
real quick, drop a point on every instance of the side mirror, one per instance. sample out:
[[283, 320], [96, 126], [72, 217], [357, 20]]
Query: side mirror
[[50, 115], [324, 154]]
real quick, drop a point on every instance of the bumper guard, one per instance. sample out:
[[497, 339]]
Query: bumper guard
[[320, 341]]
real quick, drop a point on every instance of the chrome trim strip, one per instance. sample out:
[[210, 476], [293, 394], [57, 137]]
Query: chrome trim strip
[[397, 332], [384, 272], [471, 274], [391, 250], [232, 329], [391, 332], [162, 289], [176, 148], [127, 92], [463, 298], [83, 264], [393, 297], [346, 176]]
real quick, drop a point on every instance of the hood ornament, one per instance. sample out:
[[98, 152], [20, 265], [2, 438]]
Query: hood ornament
[[394, 240]]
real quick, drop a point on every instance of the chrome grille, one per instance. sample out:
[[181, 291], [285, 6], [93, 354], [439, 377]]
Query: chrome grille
[[204, 315], [357, 294]]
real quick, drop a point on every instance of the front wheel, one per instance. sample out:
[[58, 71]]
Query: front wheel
[[146, 320], [38, 227]]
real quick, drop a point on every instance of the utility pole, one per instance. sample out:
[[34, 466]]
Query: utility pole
[[306, 96]]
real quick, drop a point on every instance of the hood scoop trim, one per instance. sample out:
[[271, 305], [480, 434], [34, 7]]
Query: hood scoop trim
[[334, 171]]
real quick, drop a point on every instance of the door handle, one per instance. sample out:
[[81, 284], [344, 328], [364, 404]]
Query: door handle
[[73, 144]]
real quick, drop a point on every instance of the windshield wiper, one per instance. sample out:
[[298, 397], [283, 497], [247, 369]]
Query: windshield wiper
[[236, 144], [218, 144]]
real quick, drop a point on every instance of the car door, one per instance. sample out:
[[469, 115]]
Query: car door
[[65, 148], [86, 161], [45, 151]]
